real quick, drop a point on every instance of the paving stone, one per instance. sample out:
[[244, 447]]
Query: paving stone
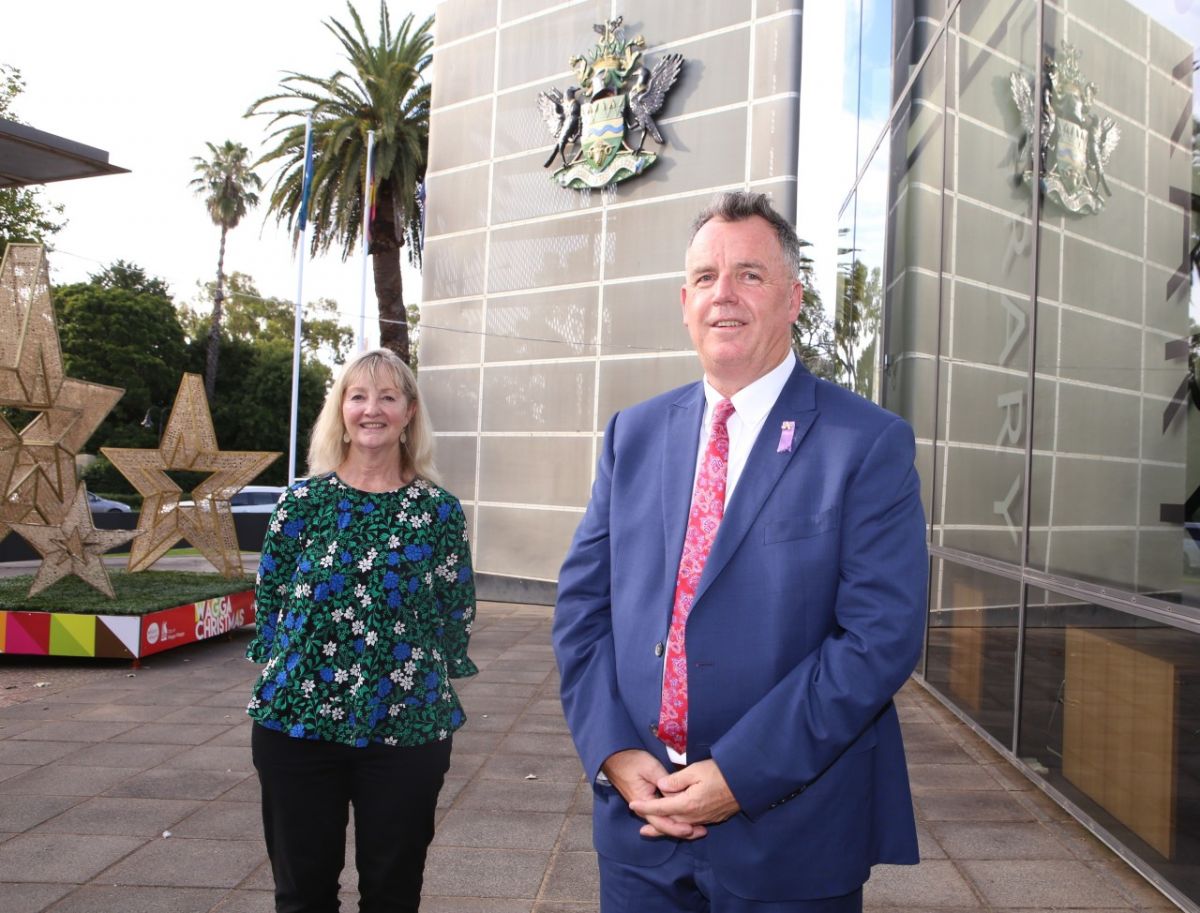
[[128, 817], [477, 828], [997, 840], [1053, 884], [480, 702], [66, 780], [31, 898], [488, 722], [218, 716], [177, 783], [541, 744], [566, 908], [63, 858], [246, 791], [8, 771], [576, 834], [573, 877], [223, 821], [465, 765], [118, 754], [260, 879], [171, 733], [928, 886], [39, 710], [467, 872], [20, 813], [75, 731], [511, 796], [916, 753], [980, 806], [254, 902], [477, 742], [214, 757], [941, 778], [499, 689], [450, 790], [518, 767], [10, 728], [238, 735], [120, 713], [473, 905], [927, 844], [130, 899], [189, 862], [541, 722]]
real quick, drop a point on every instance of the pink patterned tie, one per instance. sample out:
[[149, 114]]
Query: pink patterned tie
[[708, 507]]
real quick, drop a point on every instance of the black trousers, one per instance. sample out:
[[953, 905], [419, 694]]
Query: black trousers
[[308, 787]]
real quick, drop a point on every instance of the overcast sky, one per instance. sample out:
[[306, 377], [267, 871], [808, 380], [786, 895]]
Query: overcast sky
[[150, 82]]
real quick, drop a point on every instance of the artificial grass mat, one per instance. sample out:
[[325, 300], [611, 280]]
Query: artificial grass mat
[[136, 594]]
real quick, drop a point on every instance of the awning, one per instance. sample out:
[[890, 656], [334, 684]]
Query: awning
[[29, 156]]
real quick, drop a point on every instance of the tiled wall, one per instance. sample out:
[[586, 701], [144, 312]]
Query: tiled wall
[[544, 309]]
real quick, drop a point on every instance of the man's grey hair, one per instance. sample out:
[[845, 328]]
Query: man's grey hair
[[739, 205]]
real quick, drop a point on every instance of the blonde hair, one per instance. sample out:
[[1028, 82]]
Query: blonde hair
[[327, 448]]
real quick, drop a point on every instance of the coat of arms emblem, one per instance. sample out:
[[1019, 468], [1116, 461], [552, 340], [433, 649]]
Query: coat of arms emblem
[[593, 123], [1076, 142]]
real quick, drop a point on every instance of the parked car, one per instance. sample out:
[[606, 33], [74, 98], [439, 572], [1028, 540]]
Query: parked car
[[101, 505], [256, 499]]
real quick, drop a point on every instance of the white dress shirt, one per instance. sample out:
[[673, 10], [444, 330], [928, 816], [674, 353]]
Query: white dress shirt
[[751, 405]]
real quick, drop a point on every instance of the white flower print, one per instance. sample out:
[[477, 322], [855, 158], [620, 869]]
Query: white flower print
[[330, 648], [372, 638], [308, 686], [340, 676], [358, 627]]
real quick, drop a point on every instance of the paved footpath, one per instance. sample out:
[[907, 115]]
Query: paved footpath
[[133, 792]]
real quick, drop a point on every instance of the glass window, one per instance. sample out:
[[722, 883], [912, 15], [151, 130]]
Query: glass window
[[914, 260], [972, 644], [1116, 469], [1110, 715]]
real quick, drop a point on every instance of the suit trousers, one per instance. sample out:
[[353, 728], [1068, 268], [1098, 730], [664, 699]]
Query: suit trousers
[[308, 787], [685, 883]]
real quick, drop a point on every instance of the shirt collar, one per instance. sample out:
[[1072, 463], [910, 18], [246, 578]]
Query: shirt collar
[[754, 401]]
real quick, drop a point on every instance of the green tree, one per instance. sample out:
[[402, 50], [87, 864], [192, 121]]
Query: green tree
[[229, 187], [385, 91], [24, 216], [856, 325], [271, 321], [812, 331], [126, 336]]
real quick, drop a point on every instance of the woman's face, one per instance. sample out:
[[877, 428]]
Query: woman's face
[[375, 416]]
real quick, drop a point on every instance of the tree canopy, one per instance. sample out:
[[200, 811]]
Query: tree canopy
[[383, 91]]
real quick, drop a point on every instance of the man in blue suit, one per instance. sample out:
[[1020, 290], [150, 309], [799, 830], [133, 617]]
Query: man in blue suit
[[733, 709]]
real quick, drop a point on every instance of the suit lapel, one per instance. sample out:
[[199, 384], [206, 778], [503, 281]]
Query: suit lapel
[[764, 466], [684, 417]]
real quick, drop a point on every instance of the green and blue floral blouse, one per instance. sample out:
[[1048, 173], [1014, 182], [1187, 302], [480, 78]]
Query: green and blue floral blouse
[[365, 605]]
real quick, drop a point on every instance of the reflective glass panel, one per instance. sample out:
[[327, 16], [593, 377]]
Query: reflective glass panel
[[988, 262], [972, 644], [1116, 478], [1110, 715]]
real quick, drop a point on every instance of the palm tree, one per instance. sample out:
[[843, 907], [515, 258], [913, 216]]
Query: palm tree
[[230, 188], [384, 91]]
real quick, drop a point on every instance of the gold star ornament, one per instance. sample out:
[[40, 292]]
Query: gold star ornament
[[37, 466], [188, 443], [75, 547]]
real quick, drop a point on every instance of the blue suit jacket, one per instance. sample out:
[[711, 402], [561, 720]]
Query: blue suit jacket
[[807, 619]]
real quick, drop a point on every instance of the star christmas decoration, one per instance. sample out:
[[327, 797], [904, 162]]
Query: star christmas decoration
[[189, 443], [74, 546], [37, 465]]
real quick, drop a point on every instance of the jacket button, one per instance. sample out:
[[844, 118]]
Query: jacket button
[[658, 648], [654, 729]]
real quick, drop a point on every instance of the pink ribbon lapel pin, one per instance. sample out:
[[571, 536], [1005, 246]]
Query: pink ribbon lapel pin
[[786, 432]]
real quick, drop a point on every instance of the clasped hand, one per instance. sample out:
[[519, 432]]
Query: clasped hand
[[673, 805]]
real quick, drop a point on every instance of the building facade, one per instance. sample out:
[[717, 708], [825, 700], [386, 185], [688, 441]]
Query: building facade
[[1042, 345], [1013, 272]]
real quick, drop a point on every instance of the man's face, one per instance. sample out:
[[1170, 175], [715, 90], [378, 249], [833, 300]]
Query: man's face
[[739, 301]]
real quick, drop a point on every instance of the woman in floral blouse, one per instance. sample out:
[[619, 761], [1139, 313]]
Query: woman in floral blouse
[[365, 603]]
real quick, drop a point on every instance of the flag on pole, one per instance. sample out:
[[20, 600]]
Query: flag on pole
[[306, 186]]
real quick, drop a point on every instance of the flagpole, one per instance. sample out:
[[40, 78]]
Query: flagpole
[[368, 181], [302, 222]]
